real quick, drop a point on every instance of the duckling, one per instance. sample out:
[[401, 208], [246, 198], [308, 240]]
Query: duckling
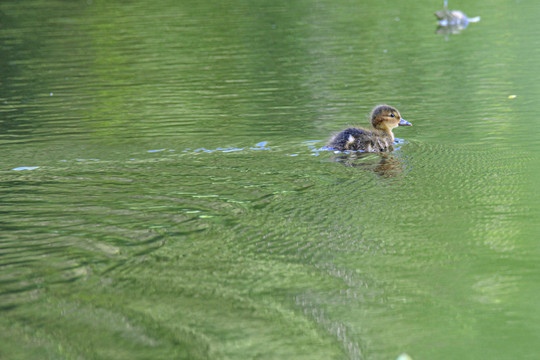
[[454, 18], [383, 119]]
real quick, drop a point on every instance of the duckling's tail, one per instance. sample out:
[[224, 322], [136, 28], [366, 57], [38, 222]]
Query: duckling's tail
[[474, 19]]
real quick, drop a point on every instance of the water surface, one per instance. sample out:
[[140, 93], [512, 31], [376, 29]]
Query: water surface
[[165, 194]]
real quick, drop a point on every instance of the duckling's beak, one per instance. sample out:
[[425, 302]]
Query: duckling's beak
[[404, 122]]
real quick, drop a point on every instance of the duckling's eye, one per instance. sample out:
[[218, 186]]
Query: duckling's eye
[[392, 115]]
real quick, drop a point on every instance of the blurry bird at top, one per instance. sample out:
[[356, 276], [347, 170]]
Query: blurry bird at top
[[452, 21]]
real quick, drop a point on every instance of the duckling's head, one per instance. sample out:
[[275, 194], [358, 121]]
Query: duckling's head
[[386, 117]]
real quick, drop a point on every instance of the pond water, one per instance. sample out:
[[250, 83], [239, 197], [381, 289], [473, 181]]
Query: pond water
[[165, 193]]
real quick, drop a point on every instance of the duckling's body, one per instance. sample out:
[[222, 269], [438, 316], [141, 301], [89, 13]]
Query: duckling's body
[[383, 119], [362, 139]]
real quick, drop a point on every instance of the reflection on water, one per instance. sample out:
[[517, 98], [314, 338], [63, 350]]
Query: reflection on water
[[450, 29], [166, 191], [383, 164]]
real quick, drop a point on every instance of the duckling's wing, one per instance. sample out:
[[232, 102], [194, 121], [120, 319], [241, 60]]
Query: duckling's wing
[[345, 139], [382, 144]]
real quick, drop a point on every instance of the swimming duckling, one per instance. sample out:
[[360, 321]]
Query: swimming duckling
[[383, 119], [454, 18]]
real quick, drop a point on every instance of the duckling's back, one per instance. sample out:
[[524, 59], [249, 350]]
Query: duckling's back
[[361, 139]]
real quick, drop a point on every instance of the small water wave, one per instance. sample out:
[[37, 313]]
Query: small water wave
[[312, 146], [260, 146], [22, 168]]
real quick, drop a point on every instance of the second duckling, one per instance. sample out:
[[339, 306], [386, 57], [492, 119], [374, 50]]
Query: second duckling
[[454, 18], [383, 119]]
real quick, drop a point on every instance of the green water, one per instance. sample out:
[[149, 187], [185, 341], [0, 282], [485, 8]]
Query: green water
[[164, 194]]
